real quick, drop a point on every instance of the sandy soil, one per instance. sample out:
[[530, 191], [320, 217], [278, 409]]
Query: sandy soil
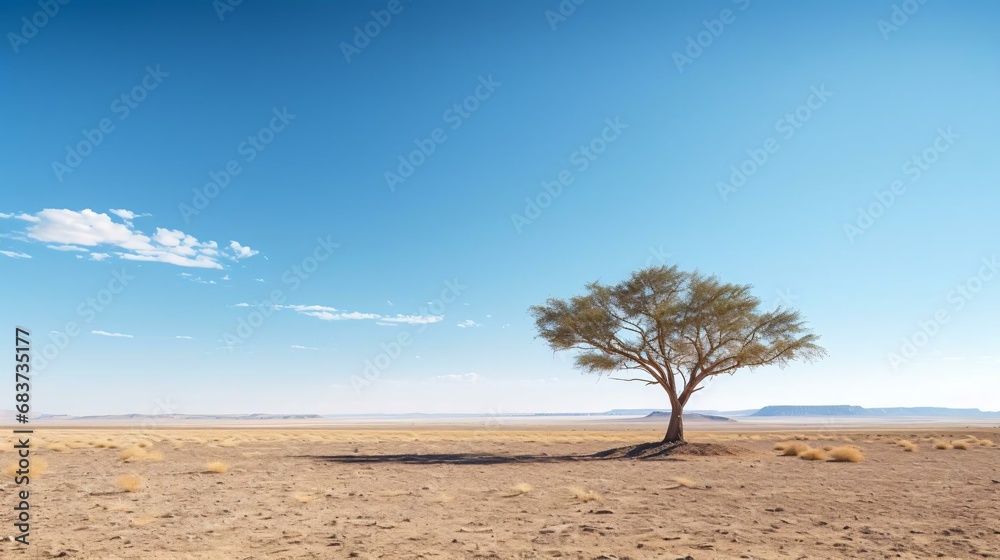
[[502, 494]]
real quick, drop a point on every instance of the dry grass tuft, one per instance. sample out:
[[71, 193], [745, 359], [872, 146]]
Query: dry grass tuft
[[846, 455], [302, 497], [791, 448], [140, 454], [942, 445], [961, 444], [685, 482], [986, 443], [58, 446], [584, 495], [813, 454], [519, 489], [217, 467], [129, 482]]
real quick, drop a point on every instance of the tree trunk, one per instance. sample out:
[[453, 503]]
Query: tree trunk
[[675, 430]]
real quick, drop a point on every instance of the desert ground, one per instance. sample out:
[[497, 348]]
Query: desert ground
[[509, 492]]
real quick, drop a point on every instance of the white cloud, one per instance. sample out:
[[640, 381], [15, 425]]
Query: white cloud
[[183, 336], [468, 323], [333, 314], [413, 319], [300, 347], [127, 215], [86, 228], [241, 251], [259, 279], [471, 377], [66, 248], [105, 333], [226, 277], [99, 256], [15, 255]]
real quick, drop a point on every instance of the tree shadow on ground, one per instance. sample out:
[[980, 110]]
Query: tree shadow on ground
[[656, 450]]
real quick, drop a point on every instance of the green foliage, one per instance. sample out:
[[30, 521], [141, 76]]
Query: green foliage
[[678, 328]]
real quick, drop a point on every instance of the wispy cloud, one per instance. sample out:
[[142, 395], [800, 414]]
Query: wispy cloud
[[114, 334], [71, 230], [15, 255], [468, 324], [300, 347], [66, 248], [183, 336], [327, 313]]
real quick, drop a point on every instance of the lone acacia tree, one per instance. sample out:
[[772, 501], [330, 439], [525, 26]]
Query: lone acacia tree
[[677, 328]]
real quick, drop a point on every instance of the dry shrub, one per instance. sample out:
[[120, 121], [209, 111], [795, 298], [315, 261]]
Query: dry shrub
[[813, 454], [584, 495], [57, 447], [985, 442], [910, 447], [961, 444], [942, 445], [827, 447], [846, 455], [217, 467], [802, 437], [129, 482], [791, 449]]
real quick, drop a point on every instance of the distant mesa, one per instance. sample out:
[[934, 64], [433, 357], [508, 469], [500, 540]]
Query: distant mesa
[[848, 410], [691, 417], [830, 410]]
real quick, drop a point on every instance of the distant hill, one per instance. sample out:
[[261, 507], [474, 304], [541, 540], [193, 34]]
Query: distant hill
[[848, 410], [184, 417], [690, 417]]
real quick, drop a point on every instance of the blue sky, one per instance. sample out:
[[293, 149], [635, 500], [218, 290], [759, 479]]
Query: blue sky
[[171, 168]]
